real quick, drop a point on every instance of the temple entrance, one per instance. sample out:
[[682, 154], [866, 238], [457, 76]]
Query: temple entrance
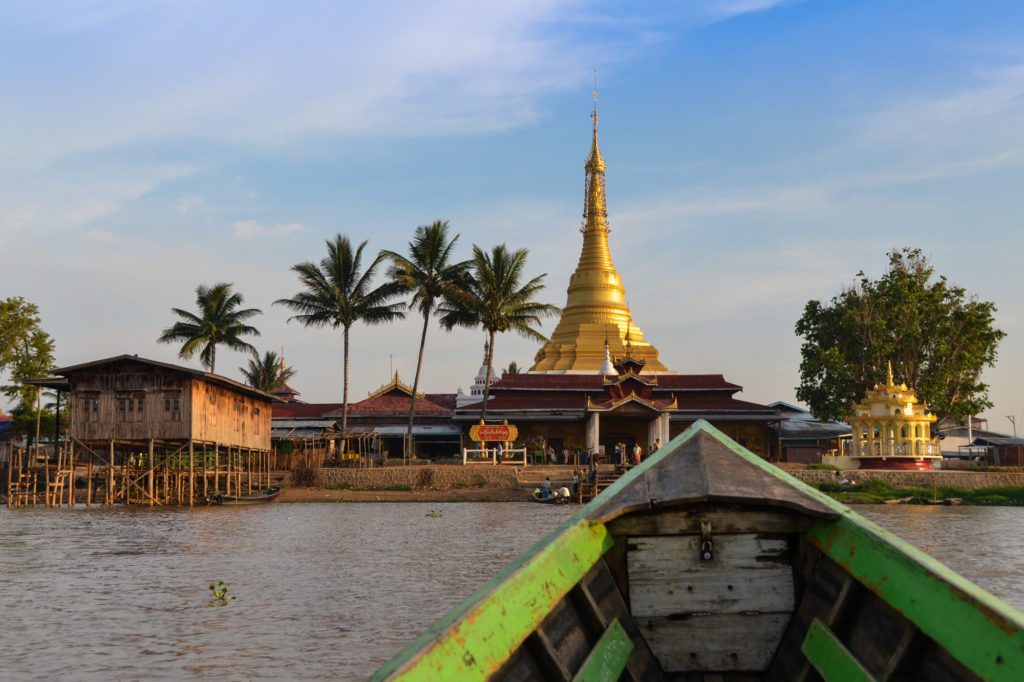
[[626, 431]]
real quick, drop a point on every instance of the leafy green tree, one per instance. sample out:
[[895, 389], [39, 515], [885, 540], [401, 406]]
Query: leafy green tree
[[431, 274], [26, 351], [937, 337], [220, 320], [497, 300], [337, 293], [267, 373]]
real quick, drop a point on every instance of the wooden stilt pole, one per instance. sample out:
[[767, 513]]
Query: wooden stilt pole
[[191, 474], [71, 474], [151, 474], [110, 475], [88, 482], [216, 468], [10, 473], [206, 482]]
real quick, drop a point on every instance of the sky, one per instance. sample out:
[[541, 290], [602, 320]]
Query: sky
[[760, 153]]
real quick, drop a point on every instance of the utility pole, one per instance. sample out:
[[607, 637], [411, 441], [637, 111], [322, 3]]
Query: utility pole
[[1013, 421]]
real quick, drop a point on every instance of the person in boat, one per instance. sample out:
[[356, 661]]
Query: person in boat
[[545, 488]]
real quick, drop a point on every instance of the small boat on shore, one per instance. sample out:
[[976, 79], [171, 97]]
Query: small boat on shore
[[261, 497], [553, 498], [708, 563]]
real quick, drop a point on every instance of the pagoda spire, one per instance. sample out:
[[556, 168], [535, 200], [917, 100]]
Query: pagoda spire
[[596, 309]]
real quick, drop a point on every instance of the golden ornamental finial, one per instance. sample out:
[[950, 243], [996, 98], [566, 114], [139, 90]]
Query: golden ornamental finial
[[889, 381]]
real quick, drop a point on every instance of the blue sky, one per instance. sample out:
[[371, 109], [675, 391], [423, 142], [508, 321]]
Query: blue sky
[[759, 154]]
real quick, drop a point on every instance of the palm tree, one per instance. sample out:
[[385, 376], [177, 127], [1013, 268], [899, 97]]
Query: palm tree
[[220, 320], [498, 301], [337, 293], [513, 368], [268, 372], [430, 274]]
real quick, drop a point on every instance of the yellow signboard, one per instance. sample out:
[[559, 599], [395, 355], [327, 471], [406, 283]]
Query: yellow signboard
[[493, 433]]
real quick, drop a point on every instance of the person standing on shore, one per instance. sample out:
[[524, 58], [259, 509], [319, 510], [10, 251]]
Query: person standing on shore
[[637, 452]]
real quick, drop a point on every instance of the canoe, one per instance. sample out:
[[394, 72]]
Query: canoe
[[551, 499], [706, 563], [262, 497]]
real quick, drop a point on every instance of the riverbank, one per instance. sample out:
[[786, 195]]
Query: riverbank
[[919, 487]]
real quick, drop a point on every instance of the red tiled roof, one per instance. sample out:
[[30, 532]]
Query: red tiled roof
[[304, 410], [720, 403], [445, 400], [574, 401], [392, 404], [695, 382], [548, 381], [595, 381], [531, 401]]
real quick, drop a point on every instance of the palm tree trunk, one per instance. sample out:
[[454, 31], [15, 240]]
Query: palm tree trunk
[[344, 389], [213, 358], [487, 379], [416, 384]]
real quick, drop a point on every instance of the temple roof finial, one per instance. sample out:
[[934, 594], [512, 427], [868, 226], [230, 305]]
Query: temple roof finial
[[595, 162], [889, 381]]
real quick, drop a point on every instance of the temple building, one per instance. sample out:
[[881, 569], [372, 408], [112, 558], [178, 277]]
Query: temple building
[[892, 429], [598, 382]]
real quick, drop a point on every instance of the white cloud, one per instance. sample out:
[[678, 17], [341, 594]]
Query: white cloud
[[99, 236], [247, 229], [187, 203]]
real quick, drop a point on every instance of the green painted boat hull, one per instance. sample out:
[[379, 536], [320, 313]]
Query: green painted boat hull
[[706, 562]]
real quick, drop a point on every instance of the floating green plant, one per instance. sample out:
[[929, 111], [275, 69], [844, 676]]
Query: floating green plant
[[220, 593]]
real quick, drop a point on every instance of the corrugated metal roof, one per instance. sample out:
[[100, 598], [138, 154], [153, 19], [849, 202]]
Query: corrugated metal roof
[[998, 441]]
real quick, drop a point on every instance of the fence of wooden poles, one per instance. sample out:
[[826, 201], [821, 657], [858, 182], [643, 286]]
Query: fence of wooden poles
[[357, 448], [133, 472]]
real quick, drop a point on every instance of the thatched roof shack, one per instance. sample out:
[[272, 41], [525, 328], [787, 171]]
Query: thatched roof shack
[[130, 399]]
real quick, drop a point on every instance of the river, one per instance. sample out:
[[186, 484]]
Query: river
[[323, 590]]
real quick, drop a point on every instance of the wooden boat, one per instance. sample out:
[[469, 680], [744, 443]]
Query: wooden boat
[[708, 563], [553, 498], [262, 497]]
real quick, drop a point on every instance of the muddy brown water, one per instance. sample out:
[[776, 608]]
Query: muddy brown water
[[324, 591]]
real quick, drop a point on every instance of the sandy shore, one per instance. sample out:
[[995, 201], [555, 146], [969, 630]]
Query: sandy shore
[[452, 495]]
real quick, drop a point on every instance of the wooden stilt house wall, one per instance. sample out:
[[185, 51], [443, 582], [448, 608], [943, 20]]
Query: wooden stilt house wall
[[148, 432]]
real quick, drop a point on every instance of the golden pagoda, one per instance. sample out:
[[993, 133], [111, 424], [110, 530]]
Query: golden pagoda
[[892, 429], [596, 311]]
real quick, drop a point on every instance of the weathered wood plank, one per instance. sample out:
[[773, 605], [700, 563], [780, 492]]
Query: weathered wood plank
[[725, 591], [607, 659], [715, 642], [564, 636], [830, 658], [598, 589], [649, 556], [724, 520]]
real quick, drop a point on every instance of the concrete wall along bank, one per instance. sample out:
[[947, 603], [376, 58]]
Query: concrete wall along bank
[[918, 479], [401, 478]]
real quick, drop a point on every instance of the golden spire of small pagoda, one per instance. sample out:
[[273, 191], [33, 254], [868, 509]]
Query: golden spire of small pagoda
[[596, 308]]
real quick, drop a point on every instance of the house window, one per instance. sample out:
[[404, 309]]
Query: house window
[[89, 404], [130, 406], [172, 406]]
